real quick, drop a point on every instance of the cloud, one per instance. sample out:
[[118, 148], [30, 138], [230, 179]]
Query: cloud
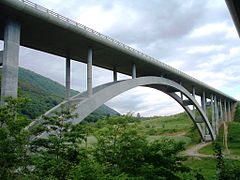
[[146, 101], [197, 37]]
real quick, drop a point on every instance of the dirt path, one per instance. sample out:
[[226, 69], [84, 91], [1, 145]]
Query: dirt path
[[194, 152]]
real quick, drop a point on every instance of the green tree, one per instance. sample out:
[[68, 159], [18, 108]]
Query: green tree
[[89, 169], [13, 139], [237, 113], [226, 170], [119, 145], [162, 160], [126, 151], [56, 146]]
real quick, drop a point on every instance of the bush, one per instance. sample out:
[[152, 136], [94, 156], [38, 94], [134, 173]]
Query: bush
[[237, 113]]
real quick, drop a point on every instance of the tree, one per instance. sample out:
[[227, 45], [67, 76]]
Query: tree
[[226, 170], [119, 145], [126, 151], [56, 146], [13, 139]]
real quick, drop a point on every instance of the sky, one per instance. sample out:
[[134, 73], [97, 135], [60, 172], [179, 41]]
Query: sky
[[196, 37]]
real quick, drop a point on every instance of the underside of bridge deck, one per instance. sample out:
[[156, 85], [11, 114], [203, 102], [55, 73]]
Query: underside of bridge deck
[[24, 23]]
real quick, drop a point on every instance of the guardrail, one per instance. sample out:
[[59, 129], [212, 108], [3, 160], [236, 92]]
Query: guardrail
[[167, 67], [65, 19]]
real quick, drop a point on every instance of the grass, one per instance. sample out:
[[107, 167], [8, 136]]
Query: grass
[[91, 140], [237, 113], [178, 127], [185, 139], [233, 140], [166, 124], [204, 166]]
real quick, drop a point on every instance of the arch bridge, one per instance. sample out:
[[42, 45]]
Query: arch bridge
[[24, 23]]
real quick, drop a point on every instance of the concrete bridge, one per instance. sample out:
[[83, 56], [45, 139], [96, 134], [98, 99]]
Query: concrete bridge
[[24, 23]]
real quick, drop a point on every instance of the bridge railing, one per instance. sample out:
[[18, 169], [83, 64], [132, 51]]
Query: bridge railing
[[65, 19]]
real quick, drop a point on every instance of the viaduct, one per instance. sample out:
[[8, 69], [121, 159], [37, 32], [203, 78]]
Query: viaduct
[[24, 23]]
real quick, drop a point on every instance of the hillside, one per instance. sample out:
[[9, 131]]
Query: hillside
[[180, 127], [45, 93]]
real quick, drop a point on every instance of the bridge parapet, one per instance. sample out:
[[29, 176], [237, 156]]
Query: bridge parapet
[[82, 44]]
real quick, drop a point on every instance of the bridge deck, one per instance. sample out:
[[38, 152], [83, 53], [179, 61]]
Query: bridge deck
[[47, 31]]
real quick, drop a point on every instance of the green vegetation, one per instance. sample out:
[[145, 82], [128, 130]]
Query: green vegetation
[[45, 94], [166, 125], [13, 139], [233, 137], [119, 147], [178, 127], [225, 170], [237, 113], [204, 166], [233, 140], [121, 152], [210, 148]]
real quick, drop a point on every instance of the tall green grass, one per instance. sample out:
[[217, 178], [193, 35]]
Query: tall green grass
[[237, 113], [233, 140]]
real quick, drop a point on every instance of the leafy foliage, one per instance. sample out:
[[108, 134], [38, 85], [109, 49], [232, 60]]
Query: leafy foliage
[[45, 93], [237, 113], [13, 139], [127, 151], [100, 113], [225, 170], [56, 149], [59, 150]]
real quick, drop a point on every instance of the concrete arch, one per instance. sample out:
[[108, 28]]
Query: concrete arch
[[105, 92]]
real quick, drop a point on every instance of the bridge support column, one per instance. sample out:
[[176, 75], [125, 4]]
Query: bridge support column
[[193, 94], [229, 112], [115, 74], [68, 77], [1, 58], [203, 104], [225, 110], [89, 72], [221, 109], [213, 113], [216, 114], [181, 94], [9, 83], [134, 71]]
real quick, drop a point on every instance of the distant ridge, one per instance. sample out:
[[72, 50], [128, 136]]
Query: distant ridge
[[46, 93]]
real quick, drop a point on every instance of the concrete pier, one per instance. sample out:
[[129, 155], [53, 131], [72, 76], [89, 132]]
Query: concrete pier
[[229, 112], [225, 110], [216, 114], [9, 84], [212, 112], [68, 77], [89, 72], [134, 71], [115, 74], [221, 110], [193, 107], [181, 94], [1, 58], [203, 104]]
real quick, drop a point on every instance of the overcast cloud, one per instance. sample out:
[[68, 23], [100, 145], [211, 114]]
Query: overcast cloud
[[197, 37]]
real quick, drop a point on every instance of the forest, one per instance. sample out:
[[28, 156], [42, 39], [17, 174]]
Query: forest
[[106, 145], [57, 149]]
